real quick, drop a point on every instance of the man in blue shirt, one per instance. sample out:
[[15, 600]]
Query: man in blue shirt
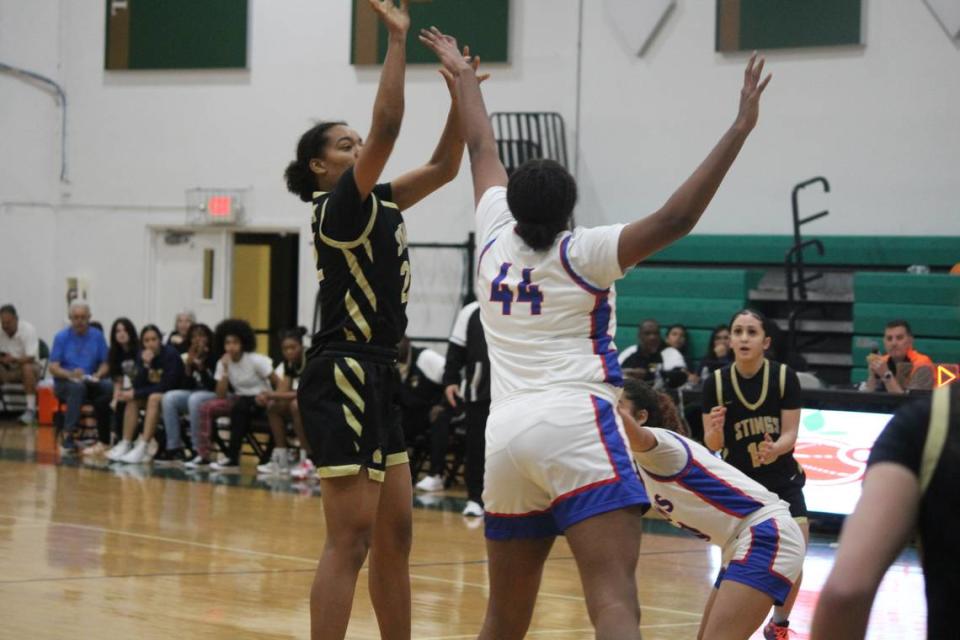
[[79, 365]]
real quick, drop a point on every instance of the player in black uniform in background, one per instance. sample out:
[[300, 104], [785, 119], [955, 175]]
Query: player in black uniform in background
[[347, 386], [751, 414], [912, 486]]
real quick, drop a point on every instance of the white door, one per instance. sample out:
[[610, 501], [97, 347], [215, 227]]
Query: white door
[[188, 270]]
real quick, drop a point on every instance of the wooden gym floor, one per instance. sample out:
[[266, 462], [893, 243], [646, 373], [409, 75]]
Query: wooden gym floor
[[91, 551]]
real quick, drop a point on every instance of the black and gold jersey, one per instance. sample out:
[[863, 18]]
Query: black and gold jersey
[[753, 410], [363, 268]]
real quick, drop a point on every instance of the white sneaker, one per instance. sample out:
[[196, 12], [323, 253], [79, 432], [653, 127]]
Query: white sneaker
[[119, 450], [138, 454], [304, 470], [430, 483], [279, 463], [225, 465], [152, 447], [199, 462], [28, 417], [473, 509]]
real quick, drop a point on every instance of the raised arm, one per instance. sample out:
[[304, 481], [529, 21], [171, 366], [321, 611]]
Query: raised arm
[[677, 217], [485, 162], [444, 164], [872, 537], [388, 106]]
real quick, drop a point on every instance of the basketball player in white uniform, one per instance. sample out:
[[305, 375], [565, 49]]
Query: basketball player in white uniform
[[556, 456], [763, 547]]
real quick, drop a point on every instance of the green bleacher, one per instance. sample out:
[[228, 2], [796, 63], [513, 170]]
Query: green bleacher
[[849, 251], [700, 299], [930, 303]]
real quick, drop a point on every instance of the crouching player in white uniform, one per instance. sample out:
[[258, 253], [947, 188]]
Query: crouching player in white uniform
[[763, 547], [556, 456]]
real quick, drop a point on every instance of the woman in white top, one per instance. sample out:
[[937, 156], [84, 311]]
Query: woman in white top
[[556, 461], [244, 372]]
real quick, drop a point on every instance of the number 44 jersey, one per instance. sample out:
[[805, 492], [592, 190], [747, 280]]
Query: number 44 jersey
[[550, 315]]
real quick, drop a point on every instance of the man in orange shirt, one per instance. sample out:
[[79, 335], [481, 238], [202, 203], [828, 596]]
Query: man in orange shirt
[[902, 368]]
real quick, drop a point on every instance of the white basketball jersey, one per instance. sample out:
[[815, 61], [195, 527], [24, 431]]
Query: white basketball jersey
[[699, 492], [549, 316]]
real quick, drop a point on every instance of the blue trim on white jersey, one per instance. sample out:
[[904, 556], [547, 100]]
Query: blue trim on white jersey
[[599, 321], [756, 568], [713, 490], [484, 251], [624, 489], [539, 524]]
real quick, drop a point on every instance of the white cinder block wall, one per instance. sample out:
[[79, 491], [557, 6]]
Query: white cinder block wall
[[878, 121]]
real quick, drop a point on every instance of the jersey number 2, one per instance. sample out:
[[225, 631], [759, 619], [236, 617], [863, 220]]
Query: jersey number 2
[[502, 292]]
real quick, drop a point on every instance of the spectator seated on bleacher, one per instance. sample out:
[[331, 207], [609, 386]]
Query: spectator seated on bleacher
[[282, 408], [420, 395], [78, 363], [901, 368], [718, 353], [250, 375], [159, 369], [179, 338], [655, 363], [19, 349], [122, 361], [196, 387]]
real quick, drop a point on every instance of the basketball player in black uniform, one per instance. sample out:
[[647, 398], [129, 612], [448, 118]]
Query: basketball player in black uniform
[[347, 386], [751, 414], [912, 485]]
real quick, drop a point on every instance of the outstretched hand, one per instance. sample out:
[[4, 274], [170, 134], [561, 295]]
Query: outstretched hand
[[450, 79], [445, 47], [395, 18], [750, 93]]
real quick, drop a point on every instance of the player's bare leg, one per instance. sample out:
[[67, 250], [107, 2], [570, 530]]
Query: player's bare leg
[[350, 509], [389, 577], [606, 548], [734, 612], [516, 568]]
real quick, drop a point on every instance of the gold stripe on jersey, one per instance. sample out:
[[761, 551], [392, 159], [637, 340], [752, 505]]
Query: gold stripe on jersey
[[352, 420], [397, 458], [338, 471], [336, 244], [936, 435], [349, 335], [392, 205], [751, 406], [368, 248], [357, 370], [357, 316], [360, 279], [345, 386]]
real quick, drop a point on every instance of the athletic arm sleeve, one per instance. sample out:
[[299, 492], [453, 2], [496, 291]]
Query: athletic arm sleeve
[[903, 438], [593, 254]]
